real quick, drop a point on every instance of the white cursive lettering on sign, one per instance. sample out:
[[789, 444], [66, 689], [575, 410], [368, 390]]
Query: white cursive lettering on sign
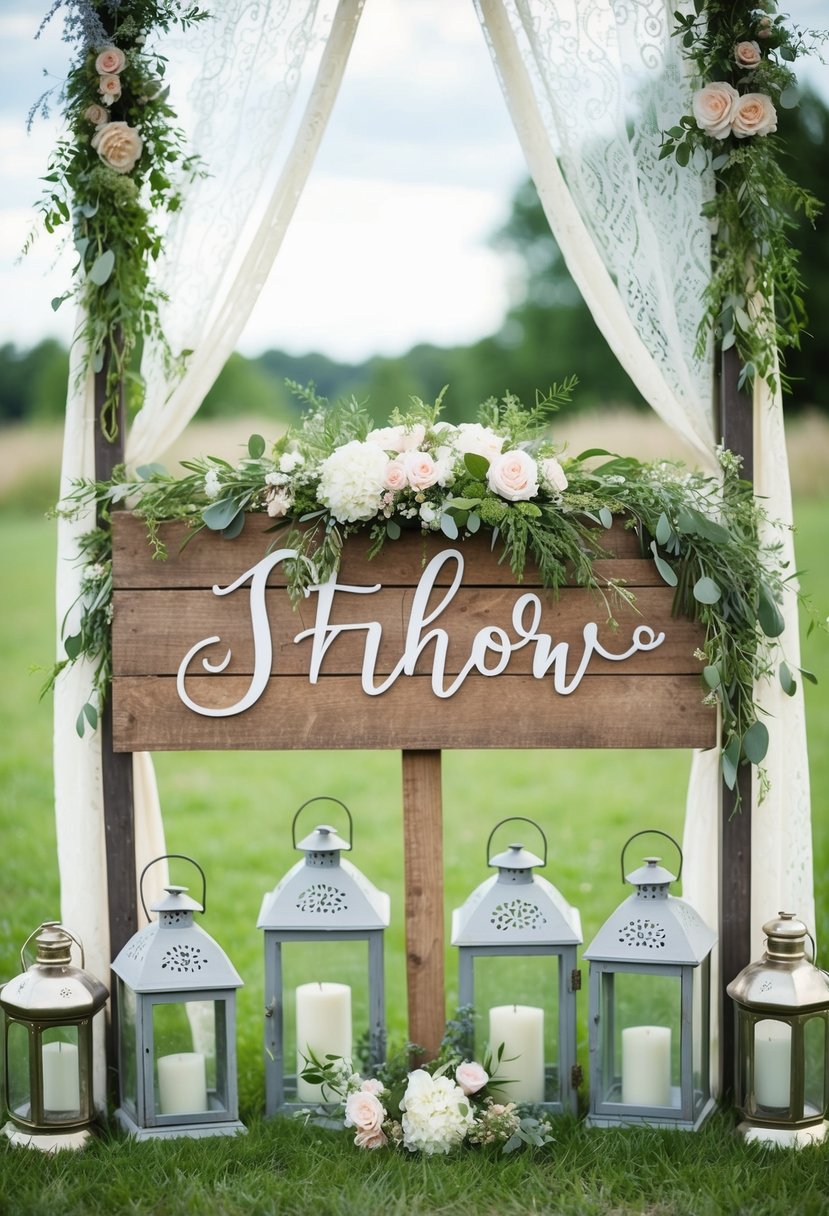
[[492, 647]]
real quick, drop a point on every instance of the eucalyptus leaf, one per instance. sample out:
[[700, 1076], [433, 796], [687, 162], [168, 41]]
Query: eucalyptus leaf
[[719, 162], [219, 514], [73, 645], [711, 675], [235, 526], [667, 572], [146, 471], [91, 714], [606, 516], [80, 724], [790, 98], [448, 526], [477, 465], [808, 675], [706, 591], [756, 742], [769, 614], [392, 529], [663, 529], [787, 680], [462, 504], [58, 300], [102, 267], [730, 760], [473, 523], [256, 446]]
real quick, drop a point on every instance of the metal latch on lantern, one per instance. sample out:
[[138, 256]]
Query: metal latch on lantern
[[576, 1076], [575, 980]]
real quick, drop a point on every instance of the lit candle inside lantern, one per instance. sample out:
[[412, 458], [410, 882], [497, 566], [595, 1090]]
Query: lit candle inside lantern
[[323, 1026], [521, 1030], [772, 1063], [61, 1077], [182, 1085], [646, 1066]]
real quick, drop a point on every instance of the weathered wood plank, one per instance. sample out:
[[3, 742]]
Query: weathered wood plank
[[207, 558], [154, 630], [507, 711], [423, 865]]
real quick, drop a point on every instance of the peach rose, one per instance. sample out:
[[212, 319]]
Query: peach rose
[[118, 145], [747, 54], [764, 29], [372, 1086], [713, 108], [110, 88], [111, 60], [471, 1077], [513, 475], [553, 475], [754, 115], [421, 470], [365, 1112], [395, 477], [375, 1139], [96, 114]]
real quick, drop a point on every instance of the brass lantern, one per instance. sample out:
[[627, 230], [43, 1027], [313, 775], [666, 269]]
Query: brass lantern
[[47, 1044], [782, 1063]]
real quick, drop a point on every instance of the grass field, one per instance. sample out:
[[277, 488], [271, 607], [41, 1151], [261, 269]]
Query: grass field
[[232, 811]]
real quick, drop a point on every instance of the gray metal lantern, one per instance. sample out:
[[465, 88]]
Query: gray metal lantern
[[47, 1044], [511, 918], [322, 899], [649, 1007], [782, 1016], [176, 1016]]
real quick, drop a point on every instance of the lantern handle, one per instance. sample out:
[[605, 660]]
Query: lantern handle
[[324, 798], [814, 948], [517, 819], [652, 832], [52, 924], [169, 857]]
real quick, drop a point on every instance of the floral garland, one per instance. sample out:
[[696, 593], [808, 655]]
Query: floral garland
[[336, 474], [118, 169], [742, 55], [434, 1109]]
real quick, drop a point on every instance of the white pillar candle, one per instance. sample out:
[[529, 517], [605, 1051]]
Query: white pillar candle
[[646, 1066], [772, 1063], [521, 1030], [61, 1076], [323, 1026], [182, 1085]]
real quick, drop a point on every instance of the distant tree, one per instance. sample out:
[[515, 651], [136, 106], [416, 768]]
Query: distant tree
[[33, 382]]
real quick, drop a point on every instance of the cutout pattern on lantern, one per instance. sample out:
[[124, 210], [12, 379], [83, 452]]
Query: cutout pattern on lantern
[[517, 914], [322, 897], [643, 933]]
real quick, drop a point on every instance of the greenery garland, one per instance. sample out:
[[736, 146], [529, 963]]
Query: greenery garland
[[115, 173], [336, 475], [742, 55]]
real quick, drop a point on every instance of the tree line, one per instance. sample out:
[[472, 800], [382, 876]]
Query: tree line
[[546, 336]]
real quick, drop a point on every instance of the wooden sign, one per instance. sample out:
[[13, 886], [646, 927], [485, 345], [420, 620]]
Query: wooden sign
[[430, 645]]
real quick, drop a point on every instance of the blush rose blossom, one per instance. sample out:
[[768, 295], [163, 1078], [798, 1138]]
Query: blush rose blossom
[[109, 87], [477, 440], [471, 1077], [553, 475], [118, 145], [513, 475], [714, 107], [96, 114], [747, 54], [397, 438], [364, 1111], [372, 1086], [375, 1139], [754, 115], [395, 477], [421, 470], [110, 61]]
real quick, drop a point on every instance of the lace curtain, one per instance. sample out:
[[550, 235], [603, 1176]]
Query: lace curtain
[[257, 63], [590, 84]]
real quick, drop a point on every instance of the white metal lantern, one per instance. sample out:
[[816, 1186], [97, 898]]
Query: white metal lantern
[[47, 1044], [516, 937], [322, 900], [649, 1007], [782, 1061], [176, 1024]]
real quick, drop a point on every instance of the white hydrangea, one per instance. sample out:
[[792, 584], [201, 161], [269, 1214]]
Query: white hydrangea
[[437, 1114], [352, 481]]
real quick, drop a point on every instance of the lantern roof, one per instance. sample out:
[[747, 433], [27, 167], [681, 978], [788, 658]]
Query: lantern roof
[[52, 988], [527, 913], [323, 839], [784, 980], [173, 954], [516, 857], [324, 891]]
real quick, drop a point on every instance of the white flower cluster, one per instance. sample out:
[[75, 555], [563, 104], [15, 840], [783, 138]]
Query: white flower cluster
[[437, 1113], [352, 481]]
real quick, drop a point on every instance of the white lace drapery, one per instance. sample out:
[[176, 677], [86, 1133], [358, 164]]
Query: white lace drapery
[[590, 84], [255, 58]]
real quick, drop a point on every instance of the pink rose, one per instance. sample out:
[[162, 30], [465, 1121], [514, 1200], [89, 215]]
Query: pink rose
[[754, 115], [478, 440], [365, 1112], [764, 29], [96, 114], [110, 61], [118, 146], [553, 475], [747, 54], [372, 1086], [713, 107], [110, 88], [513, 475], [397, 438], [375, 1139], [395, 477], [421, 470], [471, 1077]]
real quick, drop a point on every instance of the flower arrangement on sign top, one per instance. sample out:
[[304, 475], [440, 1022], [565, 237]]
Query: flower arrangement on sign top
[[433, 1109], [119, 168], [337, 474], [742, 55]]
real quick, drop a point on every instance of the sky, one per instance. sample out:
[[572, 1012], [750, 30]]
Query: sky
[[420, 155]]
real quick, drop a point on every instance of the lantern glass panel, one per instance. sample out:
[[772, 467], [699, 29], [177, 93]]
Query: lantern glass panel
[[641, 1019], [60, 1061], [127, 1047], [702, 1029], [772, 1068], [17, 1063], [814, 1053], [521, 980], [189, 1050]]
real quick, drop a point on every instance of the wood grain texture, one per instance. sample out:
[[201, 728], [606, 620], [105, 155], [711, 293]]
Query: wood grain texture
[[423, 856]]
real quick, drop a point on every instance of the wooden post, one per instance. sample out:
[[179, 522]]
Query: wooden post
[[116, 767], [737, 432], [423, 845]]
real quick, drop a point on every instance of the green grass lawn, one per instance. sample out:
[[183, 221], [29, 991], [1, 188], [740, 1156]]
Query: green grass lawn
[[232, 811]]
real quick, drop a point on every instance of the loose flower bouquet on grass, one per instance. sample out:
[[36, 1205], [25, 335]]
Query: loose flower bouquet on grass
[[432, 1109]]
